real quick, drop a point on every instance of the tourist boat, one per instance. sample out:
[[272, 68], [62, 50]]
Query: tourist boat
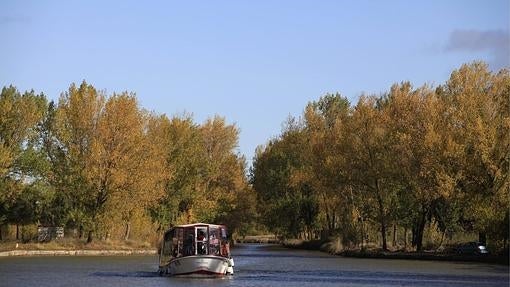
[[198, 249]]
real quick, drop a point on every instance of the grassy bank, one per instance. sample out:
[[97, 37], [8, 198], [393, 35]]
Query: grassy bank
[[76, 247], [372, 252], [77, 252], [262, 239]]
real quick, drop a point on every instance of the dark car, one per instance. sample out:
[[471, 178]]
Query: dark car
[[472, 248]]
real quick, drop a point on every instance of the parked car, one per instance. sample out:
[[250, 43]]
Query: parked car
[[472, 248]]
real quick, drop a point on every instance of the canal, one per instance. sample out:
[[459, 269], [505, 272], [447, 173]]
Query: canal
[[256, 265]]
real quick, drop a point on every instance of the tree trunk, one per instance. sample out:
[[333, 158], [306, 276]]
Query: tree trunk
[[394, 243], [17, 231], [419, 231], [188, 215], [328, 222], [1, 238], [80, 232], [442, 238], [414, 229], [128, 231], [382, 217], [324, 234], [482, 238], [90, 236], [382, 220], [405, 238], [362, 234], [383, 233]]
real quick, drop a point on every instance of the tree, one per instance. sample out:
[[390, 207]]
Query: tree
[[73, 140], [125, 167], [372, 167], [206, 173], [424, 154], [326, 136], [184, 157], [20, 116], [286, 203], [478, 102]]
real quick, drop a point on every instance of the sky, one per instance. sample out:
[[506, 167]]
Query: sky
[[253, 62]]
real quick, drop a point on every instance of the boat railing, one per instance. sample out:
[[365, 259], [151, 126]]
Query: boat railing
[[195, 240]]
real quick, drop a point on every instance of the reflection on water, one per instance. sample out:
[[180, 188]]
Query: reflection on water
[[124, 274], [256, 265]]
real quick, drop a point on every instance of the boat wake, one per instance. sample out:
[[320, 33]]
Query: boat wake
[[134, 274]]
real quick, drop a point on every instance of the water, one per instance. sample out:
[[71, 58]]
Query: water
[[255, 265]]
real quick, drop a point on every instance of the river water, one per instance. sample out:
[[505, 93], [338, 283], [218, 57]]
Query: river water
[[255, 265]]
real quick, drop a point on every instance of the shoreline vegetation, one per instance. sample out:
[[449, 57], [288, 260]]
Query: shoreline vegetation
[[377, 253], [414, 167], [117, 248], [80, 252], [411, 168], [76, 247]]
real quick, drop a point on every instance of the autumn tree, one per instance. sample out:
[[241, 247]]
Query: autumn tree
[[20, 156], [125, 168], [478, 104], [71, 145], [104, 163], [425, 154], [206, 173], [287, 203], [372, 167], [328, 174], [184, 157]]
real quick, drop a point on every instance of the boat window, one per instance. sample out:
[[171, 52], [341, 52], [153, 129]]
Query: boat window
[[188, 242], [175, 244], [195, 240], [224, 246], [202, 239], [166, 253], [214, 241], [169, 235]]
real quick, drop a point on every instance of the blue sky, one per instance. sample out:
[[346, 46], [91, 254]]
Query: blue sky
[[253, 62]]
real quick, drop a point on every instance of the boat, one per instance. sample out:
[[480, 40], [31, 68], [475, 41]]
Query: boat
[[198, 249]]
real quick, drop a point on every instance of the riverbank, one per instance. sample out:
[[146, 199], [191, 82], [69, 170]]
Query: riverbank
[[77, 252], [374, 253], [76, 247], [260, 239]]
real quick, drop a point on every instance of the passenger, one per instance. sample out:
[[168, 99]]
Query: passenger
[[188, 245], [225, 248], [201, 243], [214, 244]]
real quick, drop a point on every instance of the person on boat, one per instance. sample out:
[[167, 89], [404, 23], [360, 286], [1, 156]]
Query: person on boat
[[225, 248], [201, 243], [188, 245], [214, 244]]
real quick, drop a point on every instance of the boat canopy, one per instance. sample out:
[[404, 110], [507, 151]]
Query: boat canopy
[[197, 224], [194, 240]]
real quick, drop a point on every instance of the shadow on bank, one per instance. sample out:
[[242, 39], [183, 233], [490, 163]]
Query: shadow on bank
[[334, 248]]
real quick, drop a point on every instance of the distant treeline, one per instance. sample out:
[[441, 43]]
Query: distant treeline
[[410, 158], [413, 158], [105, 168]]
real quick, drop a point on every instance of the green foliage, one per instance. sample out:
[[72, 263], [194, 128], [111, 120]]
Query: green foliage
[[21, 160], [206, 180], [285, 204], [412, 158], [94, 162]]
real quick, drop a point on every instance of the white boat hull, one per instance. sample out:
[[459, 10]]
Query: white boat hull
[[197, 265]]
